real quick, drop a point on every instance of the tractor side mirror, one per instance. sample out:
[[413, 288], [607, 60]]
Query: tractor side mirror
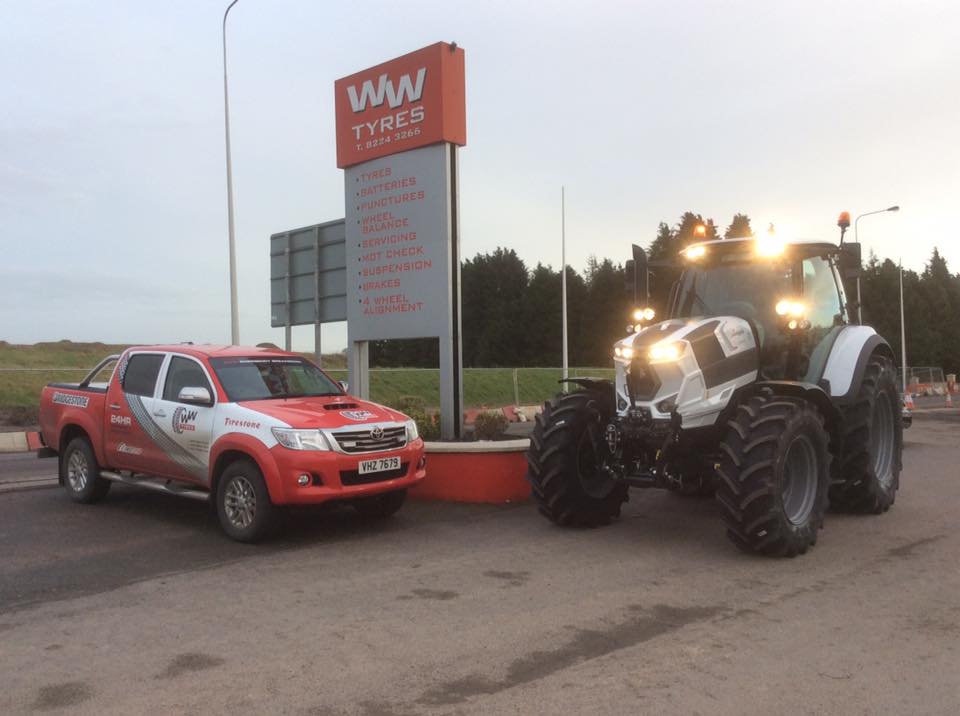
[[850, 261]]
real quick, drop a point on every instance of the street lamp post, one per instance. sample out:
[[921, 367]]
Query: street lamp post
[[856, 238], [903, 334], [234, 317], [563, 281]]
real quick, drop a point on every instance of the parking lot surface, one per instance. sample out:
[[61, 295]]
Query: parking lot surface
[[140, 604]]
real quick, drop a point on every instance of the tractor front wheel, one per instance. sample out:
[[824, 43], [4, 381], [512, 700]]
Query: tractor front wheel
[[774, 475], [570, 467]]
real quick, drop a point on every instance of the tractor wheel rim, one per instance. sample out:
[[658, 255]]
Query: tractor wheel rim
[[78, 471], [595, 481], [800, 479], [882, 439], [240, 502]]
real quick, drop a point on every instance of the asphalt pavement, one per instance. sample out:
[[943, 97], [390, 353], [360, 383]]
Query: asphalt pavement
[[140, 604]]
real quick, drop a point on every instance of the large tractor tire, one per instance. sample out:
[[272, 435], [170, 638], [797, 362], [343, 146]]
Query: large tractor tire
[[568, 461], [868, 475], [774, 475]]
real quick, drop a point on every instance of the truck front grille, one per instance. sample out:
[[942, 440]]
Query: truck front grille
[[369, 440]]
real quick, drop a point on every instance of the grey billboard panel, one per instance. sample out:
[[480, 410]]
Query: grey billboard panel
[[308, 275], [398, 249]]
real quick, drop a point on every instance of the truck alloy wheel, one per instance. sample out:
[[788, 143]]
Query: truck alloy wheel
[[80, 472], [77, 471], [243, 503], [240, 502]]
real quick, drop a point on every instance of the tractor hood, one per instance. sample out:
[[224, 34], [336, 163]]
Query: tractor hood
[[690, 366]]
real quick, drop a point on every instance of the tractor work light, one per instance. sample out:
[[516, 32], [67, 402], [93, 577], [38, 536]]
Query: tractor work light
[[643, 314], [666, 352], [786, 307]]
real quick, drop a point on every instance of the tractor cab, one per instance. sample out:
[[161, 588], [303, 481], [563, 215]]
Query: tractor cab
[[790, 293]]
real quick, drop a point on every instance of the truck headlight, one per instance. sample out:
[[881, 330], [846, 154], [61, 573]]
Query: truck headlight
[[412, 432], [300, 439], [667, 352]]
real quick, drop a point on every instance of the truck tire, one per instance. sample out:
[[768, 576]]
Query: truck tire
[[570, 483], [243, 503], [382, 506], [774, 475], [81, 473], [868, 474]]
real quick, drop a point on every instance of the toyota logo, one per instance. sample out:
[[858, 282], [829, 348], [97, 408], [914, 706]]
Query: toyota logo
[[376, 433]]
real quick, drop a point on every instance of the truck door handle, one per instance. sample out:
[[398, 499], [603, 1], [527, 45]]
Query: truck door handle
[[114, 406], [160, 414]]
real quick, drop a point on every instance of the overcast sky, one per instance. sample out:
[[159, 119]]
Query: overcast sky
[[112, 183]]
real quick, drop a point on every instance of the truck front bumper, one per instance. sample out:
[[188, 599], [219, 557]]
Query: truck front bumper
[[336, 476]]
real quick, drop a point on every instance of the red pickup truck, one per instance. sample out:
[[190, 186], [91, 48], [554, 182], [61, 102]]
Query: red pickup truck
[[252, 428]]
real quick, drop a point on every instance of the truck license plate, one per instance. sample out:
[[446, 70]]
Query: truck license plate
[[381, 464]]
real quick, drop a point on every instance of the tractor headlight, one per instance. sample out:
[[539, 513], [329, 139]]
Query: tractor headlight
[[697, 251], [625, 352], [644, 314], [300, 439], [667, 352], [794, 309]]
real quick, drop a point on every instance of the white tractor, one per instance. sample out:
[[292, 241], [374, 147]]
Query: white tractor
[[758, 387]]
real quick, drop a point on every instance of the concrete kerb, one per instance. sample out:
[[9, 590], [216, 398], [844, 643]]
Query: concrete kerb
[[14, 442]]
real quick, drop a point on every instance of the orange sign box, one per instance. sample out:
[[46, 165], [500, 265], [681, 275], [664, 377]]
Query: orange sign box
[[409, 102]]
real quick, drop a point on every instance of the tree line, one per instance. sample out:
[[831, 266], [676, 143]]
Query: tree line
[[512, 313]]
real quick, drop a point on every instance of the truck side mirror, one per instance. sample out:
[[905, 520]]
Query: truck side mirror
[[195, 396], [850, 260]]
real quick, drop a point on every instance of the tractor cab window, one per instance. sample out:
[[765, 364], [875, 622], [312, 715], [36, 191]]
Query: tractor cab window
[[824, 306], [821, 295], [748, 290]]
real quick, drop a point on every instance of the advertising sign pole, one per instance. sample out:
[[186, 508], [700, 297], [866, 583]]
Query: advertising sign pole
[[399, 125]]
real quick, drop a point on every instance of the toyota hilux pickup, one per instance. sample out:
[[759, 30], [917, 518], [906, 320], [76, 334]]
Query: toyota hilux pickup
[[251, 429]]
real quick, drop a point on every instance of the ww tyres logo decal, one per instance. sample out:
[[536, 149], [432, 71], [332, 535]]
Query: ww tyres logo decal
[[371, 95], [184, 420], [190, 464]]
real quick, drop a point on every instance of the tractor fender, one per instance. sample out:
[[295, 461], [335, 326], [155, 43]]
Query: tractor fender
[[601, 384], [848, 360], [811, 393]]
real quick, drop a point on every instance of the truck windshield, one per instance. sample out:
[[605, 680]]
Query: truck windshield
[[258, 378]]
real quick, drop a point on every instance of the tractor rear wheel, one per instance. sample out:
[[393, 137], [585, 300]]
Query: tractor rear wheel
[[570, 467], [774, 475], [868, 475]]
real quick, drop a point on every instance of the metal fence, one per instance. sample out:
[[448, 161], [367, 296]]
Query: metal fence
[[925, 381], [482, 387]]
